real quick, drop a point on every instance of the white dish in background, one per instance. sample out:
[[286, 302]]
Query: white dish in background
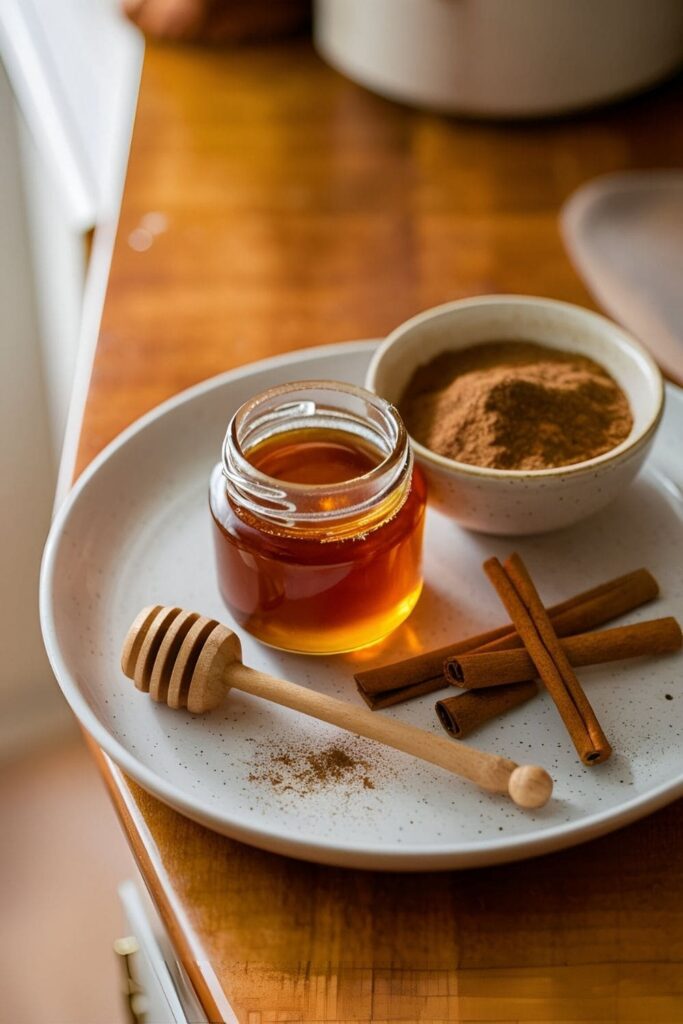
[[624, 234], [135, 530], [497, 58], [511, 501]]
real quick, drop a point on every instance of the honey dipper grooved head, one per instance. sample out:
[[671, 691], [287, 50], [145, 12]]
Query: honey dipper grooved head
[[135, 637], [209, 683], [181, 658]]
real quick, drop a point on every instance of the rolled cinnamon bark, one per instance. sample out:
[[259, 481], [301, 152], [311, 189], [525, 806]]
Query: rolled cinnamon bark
[[467, 712], [524, 606], [404, 680], [482, 669]]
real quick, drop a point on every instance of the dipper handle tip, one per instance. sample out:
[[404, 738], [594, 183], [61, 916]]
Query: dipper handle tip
[[530, 786]]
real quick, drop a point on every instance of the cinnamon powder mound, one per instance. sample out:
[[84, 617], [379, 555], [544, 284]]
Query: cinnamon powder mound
[[515, 405]]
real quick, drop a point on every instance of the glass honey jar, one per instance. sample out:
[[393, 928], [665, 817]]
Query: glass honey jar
[[318, 516]]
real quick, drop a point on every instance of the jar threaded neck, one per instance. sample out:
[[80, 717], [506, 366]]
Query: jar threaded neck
[[347, 506]]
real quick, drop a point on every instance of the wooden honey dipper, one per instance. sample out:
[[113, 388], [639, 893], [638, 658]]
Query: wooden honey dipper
[[183, 659]]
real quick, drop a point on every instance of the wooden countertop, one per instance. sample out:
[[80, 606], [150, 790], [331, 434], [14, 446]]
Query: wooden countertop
[[299, 210]]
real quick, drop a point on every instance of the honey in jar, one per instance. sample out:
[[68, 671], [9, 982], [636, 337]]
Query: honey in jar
[[318, 517]]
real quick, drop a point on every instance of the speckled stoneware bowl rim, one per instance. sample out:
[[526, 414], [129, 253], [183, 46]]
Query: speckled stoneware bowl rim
[[615, 334]]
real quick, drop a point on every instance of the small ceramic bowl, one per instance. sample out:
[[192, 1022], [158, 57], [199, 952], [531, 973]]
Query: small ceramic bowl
[[516, 502]]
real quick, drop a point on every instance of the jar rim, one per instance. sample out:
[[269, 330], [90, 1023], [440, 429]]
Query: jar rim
[[283, 497]]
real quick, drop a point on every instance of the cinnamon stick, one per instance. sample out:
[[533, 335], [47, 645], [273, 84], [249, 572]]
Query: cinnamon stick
[[461, 715], [413, 677], [461, 719], [520, 597], [483, 669]]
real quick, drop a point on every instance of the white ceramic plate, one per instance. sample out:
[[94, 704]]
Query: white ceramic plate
[[135, 531]]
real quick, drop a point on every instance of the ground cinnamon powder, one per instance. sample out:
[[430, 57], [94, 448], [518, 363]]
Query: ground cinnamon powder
[[515, 405], [304, 769]]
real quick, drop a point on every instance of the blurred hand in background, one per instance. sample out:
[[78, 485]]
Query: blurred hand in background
[[218, 20]]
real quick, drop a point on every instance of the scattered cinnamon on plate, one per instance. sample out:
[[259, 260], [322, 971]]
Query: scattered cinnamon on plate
[[305, 769]]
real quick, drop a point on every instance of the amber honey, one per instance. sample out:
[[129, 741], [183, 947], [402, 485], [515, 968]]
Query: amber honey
[[318, 523]]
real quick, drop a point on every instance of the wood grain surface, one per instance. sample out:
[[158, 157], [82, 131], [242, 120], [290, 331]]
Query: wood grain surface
[[291, 208]]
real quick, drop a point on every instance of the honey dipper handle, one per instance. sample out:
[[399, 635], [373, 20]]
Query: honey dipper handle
[[528, 786]]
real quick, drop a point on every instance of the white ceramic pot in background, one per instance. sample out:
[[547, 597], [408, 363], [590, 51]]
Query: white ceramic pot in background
[[502, 58]]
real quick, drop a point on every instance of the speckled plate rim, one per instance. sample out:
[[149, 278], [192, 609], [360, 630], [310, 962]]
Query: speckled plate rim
[[432, 857]]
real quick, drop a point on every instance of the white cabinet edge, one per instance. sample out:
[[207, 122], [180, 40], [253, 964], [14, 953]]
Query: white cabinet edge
[[163, 1003], [96, 281], [47, 117]]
